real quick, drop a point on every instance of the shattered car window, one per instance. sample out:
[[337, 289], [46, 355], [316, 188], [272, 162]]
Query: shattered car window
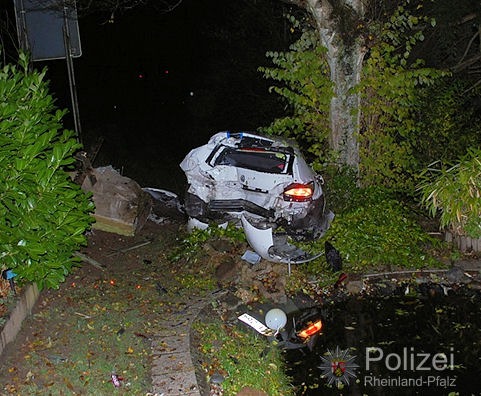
[[256, 159]]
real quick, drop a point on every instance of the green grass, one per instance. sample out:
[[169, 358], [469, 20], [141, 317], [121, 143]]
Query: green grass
[[244, 358], [93, 333], [89, 329]]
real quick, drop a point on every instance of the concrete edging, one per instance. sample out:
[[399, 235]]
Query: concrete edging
[[22, 309]]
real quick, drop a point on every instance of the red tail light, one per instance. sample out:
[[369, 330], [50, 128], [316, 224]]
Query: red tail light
[[298, 192], [310, 330]]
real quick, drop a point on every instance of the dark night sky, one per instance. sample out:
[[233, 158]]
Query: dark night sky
[[155, 86]]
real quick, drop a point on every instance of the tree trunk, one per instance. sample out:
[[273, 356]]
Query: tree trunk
[[345, 61]]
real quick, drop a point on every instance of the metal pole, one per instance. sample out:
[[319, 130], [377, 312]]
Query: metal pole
[[22, 26], [71, 75]]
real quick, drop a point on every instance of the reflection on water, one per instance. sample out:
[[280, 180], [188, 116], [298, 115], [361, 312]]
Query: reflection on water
[[422, 340]]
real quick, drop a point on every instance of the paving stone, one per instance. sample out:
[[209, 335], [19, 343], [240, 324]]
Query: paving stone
[[183, 383], [173, 373], [174, 344], [171, 363], [165, 332]]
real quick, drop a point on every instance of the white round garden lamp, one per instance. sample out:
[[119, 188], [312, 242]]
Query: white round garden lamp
[[276, 319]]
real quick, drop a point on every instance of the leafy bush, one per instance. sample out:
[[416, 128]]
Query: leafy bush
[[391, 89], [449, 122], [455, 194], [378, 229], [44, 215], [373, 226], [303, 81]]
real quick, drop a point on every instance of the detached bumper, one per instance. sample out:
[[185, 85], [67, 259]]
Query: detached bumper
[[274, 248]]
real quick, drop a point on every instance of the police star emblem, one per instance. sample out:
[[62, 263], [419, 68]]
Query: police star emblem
[[338, 367]]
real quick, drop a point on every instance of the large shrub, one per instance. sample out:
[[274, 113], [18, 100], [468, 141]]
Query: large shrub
[[454, 193], [43, 214], [378, 229], [375, 226], [449, 121], [392, 91]]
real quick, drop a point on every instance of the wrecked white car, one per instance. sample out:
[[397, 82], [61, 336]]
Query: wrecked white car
[[260, 183]]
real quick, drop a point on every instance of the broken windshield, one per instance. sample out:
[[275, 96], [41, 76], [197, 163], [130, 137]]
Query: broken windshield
[[255, 159]]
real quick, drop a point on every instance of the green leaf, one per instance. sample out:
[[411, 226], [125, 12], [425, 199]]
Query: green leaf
[[44, 214]]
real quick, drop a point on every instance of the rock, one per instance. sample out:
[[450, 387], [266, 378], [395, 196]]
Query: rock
[[217, 378], [354, 287], [227, 270], [121, 206]]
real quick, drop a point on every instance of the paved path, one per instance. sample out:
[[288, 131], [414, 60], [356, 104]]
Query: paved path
[[173, 372]]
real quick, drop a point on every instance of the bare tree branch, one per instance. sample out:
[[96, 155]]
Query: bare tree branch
[[468, 48], [464, 65], [110, 7], [472, 87]]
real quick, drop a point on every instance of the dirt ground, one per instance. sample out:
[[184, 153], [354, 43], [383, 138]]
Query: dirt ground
[[116, 300], [136, 282]]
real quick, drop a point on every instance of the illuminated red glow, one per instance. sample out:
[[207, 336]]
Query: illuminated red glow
[[311, 330], [298, 192]]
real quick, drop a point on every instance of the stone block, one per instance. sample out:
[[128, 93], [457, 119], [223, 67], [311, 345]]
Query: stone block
[[121, 206]]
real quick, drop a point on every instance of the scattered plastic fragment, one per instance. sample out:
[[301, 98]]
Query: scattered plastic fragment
[[333, 257], [251, 257], [116, 380], [8, 274]]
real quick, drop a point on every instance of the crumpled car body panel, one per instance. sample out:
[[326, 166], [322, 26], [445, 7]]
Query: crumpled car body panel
[[275, 248], [238, 174]]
